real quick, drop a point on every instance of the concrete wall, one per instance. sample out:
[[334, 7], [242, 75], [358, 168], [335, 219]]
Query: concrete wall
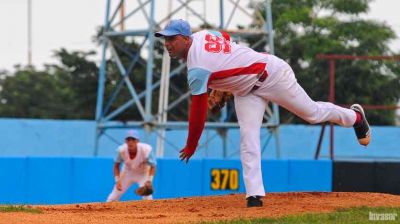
[[64, 180]]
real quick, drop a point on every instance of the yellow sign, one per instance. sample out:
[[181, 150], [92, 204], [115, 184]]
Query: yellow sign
[[224, 179]]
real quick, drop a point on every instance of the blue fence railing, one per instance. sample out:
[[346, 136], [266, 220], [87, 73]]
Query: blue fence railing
[[71, 138]]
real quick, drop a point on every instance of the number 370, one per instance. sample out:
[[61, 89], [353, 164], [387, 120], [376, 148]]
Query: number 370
[[224, 179]]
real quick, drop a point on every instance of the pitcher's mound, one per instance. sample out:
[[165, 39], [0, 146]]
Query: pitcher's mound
[[198, 209]]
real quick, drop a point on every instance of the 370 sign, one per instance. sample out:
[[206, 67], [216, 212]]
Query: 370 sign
[[224, 179]]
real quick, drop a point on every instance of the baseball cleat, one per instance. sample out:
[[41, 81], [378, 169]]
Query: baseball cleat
[[254, 201], [363, 132]]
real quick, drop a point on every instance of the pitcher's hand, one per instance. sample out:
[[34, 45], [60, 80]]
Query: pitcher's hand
[[186, 153]]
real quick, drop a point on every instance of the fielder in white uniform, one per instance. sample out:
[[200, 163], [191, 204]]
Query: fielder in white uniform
[[213, 61], [139, 166]]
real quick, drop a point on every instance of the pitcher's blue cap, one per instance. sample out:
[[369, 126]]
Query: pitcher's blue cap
[[175, 27]]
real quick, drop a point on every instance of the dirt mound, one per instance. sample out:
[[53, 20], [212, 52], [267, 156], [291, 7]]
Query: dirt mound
[[184, 210]]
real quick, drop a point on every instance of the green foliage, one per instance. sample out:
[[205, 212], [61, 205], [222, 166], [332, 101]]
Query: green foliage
[[66, 91]]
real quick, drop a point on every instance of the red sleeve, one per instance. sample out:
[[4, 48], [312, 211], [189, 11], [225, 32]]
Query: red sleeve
[[197, 120]]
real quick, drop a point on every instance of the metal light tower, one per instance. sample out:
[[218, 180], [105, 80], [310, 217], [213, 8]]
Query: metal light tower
[[29, 21], [143, 12]]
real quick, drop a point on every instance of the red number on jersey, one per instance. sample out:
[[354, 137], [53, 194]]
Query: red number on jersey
[[215, 44]]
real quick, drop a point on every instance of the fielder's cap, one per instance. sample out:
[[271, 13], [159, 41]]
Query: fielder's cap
[[132, 134], [175, 27]]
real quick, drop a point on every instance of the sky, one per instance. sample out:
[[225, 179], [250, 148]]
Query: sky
[[72, 23]]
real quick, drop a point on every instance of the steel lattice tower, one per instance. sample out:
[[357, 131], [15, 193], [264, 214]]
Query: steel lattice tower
[[137, 19]]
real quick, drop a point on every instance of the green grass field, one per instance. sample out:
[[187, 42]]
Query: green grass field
[[343, 216], [18, 208]]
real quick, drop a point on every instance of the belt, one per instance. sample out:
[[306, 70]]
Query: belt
[[261, 79]]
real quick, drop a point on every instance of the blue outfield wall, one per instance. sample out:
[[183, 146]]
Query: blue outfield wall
[[65, 180]]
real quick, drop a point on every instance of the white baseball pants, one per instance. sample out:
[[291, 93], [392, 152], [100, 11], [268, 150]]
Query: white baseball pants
[[128, 178], [281, 88]]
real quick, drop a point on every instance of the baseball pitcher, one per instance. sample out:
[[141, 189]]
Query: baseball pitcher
[[254, 79], [139, 167]]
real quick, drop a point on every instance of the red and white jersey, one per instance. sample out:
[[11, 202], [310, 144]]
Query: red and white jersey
[[217, 63], [214, 62]]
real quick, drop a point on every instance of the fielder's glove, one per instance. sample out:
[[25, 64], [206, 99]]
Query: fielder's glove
[[146, 190], [217, 100]]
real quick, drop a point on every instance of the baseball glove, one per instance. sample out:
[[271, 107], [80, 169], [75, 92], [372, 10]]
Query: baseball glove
[[217, 100], [145, 190]]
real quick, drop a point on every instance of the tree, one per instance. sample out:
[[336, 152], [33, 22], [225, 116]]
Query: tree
[[305, 28], [27, 93], [65, 91]]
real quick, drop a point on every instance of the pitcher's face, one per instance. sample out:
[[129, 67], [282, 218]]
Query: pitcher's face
[[176, 46]]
